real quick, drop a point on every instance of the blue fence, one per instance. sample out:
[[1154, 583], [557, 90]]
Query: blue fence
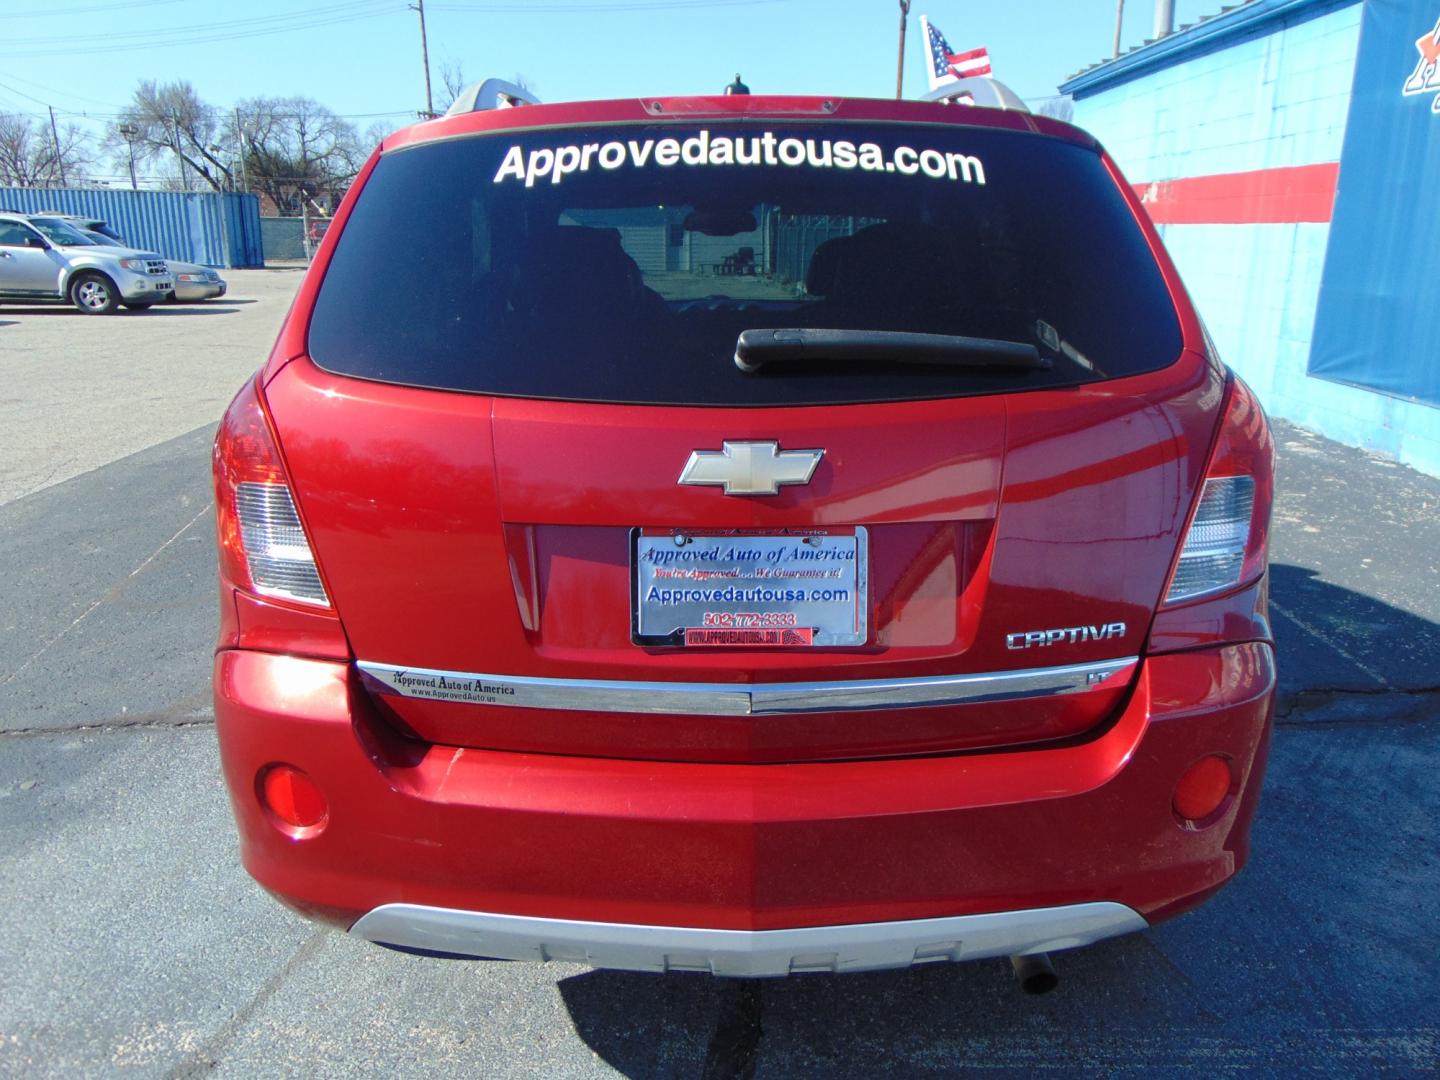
[[209, 227]]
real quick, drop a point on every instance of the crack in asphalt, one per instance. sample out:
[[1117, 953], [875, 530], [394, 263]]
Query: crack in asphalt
[[113, 725], [205, 1058], [191, 712], [1312, 698]]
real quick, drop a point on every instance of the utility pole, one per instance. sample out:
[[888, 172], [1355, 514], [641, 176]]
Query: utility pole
[[240, 142], [128, 132], [55, 134], [900, 59], [1119, 21], [419, 6]]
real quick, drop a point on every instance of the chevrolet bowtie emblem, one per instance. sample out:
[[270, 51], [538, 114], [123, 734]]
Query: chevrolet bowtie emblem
[[750, 468]]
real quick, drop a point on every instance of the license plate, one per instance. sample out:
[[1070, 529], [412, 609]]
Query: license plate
[[781, 589]]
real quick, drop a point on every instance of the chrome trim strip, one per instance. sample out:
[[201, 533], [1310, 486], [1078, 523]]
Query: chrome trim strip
[[739, 699], [747, 953]]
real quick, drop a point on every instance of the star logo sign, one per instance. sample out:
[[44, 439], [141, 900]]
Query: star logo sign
[[1426, 76]]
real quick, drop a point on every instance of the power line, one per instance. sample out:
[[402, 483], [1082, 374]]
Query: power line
[[204, 38], [27, 97], [209, 27], [580, 7], [52, 90], [52, 12]]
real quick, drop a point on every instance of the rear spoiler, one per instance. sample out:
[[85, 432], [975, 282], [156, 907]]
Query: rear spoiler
[[490, 94], [981, 90]]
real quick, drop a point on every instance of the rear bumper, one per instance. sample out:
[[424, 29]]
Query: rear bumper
[[746, 953], [652, 850]]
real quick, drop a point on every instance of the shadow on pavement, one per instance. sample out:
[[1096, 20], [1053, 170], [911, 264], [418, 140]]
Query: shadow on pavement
[[150, 312], [1330, 638], [200, 307], [1319, 954]]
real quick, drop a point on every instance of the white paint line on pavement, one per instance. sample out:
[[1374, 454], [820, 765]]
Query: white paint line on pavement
[[1329, 642], [108, 596]]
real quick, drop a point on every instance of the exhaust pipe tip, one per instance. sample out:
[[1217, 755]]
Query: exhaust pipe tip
[[1035, 973]]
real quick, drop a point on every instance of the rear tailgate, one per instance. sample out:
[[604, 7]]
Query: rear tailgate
[[480, 536], [487, 435]]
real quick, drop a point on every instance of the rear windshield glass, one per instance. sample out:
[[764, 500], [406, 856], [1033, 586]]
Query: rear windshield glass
[[621, 264]]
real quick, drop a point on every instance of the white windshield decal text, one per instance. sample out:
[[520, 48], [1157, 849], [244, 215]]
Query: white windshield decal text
[[703, 149]]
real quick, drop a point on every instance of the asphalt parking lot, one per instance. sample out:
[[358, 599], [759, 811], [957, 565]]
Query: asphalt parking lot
[[132, 941]]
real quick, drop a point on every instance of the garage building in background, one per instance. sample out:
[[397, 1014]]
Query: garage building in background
[[1289, 151]]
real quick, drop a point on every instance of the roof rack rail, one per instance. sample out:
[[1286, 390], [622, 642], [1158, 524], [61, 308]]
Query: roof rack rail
[[980, 90], [490, 94]]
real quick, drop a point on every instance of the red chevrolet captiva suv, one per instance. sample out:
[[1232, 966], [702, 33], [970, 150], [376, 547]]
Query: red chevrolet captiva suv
[[743, 534]]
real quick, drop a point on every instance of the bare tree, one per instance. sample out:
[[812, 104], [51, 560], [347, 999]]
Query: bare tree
[[375, 134], [452, 78], [170, 121], [29, 156], [297, 151]]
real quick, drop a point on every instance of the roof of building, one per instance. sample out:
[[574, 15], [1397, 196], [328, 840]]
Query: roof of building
[[1248, 18]]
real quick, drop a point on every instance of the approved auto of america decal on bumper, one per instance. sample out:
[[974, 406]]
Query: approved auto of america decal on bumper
[[440, 686]]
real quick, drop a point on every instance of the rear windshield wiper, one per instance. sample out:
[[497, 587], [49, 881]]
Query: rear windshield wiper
[[756, 348]]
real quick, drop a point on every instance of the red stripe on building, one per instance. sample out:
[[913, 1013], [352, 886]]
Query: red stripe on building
[[1294, 193]]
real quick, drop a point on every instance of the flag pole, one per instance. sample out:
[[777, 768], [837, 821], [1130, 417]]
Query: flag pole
[[900, 60]]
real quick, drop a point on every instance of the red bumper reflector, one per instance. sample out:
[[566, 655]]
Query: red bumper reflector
[[292, 797], [1202, 788]]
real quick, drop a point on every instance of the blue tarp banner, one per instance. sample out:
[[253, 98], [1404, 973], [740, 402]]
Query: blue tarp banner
[[1378, 321]]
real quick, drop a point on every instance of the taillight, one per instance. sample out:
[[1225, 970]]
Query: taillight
[[1225, 543], [281, 562], [263, 547]]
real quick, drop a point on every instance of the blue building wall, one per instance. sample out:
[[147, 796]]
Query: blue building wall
[[1262, 102], [1267, 86], [201, 227]]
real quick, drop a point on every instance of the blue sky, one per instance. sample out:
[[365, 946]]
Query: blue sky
[[362, 58]]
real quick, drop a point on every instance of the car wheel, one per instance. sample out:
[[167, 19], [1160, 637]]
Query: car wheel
[[94, 294]]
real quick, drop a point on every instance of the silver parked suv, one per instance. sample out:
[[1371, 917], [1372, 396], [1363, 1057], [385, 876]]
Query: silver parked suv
[[192, 281], [44, 259]]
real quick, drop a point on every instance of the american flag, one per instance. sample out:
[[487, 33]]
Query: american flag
[[946, 66], [969, 64]]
